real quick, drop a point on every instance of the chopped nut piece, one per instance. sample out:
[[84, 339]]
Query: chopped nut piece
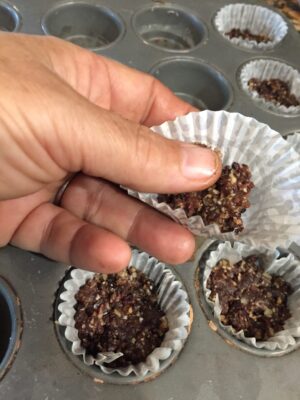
[[120, 313], [255, 303]]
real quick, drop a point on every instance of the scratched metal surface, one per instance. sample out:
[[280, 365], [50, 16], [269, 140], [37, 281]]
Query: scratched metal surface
[[208, 368]]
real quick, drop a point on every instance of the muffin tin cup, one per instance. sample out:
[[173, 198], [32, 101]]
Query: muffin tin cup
[[287, 267], [271, 69], [195, 81], [258, 20], [87, 25], [274, 215], [10, 19], [169, 27], [172, 299], [294, 140], [10, 327]]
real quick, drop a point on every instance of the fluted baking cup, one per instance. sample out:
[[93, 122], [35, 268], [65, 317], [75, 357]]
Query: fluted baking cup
[[294, 140], [274, 215], [265, 69], [172, 299], [286, 267], [258, 20]]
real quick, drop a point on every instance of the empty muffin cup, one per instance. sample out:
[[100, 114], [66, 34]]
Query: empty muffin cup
[[90, 26], [195, 81], [250, 26], [172, 299], [273, 85], [273, 263], [9, 18], [170, 28], [274, 214], [11, 326]]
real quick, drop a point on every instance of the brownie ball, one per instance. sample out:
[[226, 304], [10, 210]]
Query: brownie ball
[[221, 204], [251, 299], [120, 313], [275, 91]]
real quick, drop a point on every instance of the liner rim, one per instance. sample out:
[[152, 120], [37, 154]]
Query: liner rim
[[294, 140]]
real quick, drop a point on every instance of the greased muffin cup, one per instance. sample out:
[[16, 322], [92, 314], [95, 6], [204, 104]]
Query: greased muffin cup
[[265, 69], [274, 215], [172, 299], [258, 20], [287, 267], [294, 140]]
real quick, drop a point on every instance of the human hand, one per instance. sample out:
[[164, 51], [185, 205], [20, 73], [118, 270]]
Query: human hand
[[64, 110]]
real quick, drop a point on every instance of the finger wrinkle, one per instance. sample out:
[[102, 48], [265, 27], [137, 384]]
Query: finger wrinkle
[[49, 231], [133, 225], [19, 227], [94, 202]]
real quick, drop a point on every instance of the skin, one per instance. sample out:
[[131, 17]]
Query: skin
[[65, 111]]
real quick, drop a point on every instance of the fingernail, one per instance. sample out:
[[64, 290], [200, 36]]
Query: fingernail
[[198, 162]]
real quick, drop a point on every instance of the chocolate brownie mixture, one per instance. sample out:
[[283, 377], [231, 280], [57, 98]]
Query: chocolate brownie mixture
[[222, 204], [251, 299], [120, 313], [247, 35], [274, 90]]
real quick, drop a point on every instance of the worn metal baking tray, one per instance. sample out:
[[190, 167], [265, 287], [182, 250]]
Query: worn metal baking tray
[[210, 367]]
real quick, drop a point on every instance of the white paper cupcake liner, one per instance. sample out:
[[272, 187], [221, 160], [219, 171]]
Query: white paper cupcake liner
[[258, 20], [271, 69], [294, 140], [287, 267], [274, 215], [172, 299]]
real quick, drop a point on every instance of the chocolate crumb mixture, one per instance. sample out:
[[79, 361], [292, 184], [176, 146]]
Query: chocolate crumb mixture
[[274, 90], [222, 204], [247, 35], [251, 300], [120, 313]]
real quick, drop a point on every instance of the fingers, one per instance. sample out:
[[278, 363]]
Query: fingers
[[103, 144], [59, 235], [102, 204]]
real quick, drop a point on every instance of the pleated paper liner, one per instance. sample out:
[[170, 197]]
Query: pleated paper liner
[[265, 69], [258, 20], [287, 267], [294, 140], [274, 215], [172, 299]]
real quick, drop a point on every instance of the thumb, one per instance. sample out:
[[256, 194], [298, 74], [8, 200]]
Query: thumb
[[103, 144]]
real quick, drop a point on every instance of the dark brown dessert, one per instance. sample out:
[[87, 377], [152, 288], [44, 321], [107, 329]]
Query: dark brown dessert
[[251, 299], [120, 313], [221, 204], [274, 90], [247, 35]]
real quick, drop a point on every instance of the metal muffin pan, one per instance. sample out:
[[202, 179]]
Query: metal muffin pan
[[207, 368]]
